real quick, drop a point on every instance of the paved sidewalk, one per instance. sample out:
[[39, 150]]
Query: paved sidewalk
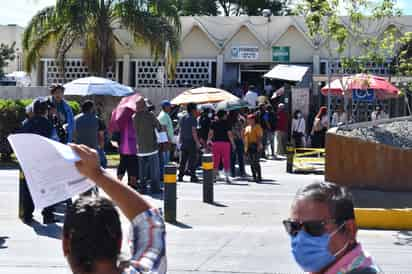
[[242, 233]]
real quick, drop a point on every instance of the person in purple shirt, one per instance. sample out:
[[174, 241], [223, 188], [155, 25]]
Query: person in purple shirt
[[128, 153]]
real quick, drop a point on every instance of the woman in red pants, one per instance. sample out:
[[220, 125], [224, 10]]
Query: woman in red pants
[[221, 140]]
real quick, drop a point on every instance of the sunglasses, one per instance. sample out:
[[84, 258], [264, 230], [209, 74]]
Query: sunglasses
[[313, 228]]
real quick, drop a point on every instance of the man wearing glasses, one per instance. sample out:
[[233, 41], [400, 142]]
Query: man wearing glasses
[[323, 229]]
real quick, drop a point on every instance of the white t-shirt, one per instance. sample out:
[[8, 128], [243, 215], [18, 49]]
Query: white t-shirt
[[251, 97], [339, 119]]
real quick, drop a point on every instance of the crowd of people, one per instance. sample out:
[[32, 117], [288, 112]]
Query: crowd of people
[[321, 226]]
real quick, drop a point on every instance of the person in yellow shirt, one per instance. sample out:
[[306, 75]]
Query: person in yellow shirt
[[252, 135]]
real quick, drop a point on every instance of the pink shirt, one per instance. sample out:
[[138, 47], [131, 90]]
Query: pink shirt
[[355, 259], [128, 138]]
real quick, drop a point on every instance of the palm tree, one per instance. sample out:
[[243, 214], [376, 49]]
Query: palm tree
[[155, 22]]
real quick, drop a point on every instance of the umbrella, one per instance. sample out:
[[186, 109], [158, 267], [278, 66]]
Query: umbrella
[[203, 95], [96, 86], [124, 110], [383, 89], [233, 105]]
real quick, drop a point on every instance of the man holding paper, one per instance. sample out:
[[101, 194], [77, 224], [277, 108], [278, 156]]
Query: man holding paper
[[92, 232], [40, 125], [166, 122]]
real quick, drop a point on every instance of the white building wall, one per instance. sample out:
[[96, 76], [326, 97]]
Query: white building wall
[[8, 35]]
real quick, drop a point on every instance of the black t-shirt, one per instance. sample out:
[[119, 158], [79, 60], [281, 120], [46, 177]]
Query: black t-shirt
[[38, 125], [220, 129], [204, 123]]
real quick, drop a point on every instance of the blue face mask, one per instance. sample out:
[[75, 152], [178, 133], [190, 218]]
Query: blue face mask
[[312, 253]]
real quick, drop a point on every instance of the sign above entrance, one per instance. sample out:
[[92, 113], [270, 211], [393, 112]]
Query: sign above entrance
[[281, 54], [245, 53]]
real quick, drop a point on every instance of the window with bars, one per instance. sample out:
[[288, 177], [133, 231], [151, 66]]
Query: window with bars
[[189, 72], [73, 69]]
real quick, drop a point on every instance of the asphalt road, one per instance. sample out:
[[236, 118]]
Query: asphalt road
[[241, 233]]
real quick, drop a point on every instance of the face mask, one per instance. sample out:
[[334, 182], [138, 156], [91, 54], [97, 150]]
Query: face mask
[[210, 115], [299, 115], [312, 253]]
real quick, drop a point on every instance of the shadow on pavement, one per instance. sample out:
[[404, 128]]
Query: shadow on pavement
[[180, 225], [404, 238], [50, 231], [217, 204], [236, 184], [3, 242], [269, 182]]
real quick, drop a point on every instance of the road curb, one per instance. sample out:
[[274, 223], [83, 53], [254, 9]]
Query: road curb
[[379, 218]]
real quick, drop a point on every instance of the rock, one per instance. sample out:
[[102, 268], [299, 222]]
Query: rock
[[397, 134]]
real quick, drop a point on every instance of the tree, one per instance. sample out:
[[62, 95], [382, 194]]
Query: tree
[[196, 8], [253, 7], [364, 28], [93, 22], [7, 53]]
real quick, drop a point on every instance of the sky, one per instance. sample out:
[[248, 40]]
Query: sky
[[20, 11]]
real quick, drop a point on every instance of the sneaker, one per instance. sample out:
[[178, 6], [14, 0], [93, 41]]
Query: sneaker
[[180, 178], [194, 179], [48, 219], [228, 180], [157, 192], [141, 190]]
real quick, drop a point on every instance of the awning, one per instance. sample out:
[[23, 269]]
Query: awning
[[287, 72]]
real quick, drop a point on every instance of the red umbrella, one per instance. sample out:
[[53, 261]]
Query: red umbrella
[[124, 110], [383, 89]]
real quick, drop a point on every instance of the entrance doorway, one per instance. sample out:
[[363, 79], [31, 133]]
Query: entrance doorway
[[253, 74]]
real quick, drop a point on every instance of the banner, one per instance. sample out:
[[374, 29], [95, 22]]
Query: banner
[[281, 54], [245, 53], [301, 100]]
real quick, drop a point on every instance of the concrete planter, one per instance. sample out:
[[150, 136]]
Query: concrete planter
[[357, 163]]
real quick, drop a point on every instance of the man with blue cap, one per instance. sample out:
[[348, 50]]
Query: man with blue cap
[[166, 122]]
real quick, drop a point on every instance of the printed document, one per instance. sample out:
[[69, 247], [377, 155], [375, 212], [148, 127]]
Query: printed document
[[49, 168]]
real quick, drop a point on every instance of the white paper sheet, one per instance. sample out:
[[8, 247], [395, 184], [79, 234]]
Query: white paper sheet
[[49, 169], [162, 137]]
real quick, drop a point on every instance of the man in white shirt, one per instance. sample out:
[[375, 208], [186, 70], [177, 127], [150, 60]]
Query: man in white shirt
[[251, 96], [379, 114]]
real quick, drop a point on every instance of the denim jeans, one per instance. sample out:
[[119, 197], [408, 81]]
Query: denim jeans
[[102, 157], [189, 157], [149, 170], [238, 154]]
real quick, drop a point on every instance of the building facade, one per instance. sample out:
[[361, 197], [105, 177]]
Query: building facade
[[218, 51], [10, 34]]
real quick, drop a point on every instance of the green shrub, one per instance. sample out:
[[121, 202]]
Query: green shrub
[[12, 114], [75, 107]]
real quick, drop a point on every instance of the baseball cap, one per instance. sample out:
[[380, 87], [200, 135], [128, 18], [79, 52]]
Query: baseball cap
[[165, 103], [40, 105]]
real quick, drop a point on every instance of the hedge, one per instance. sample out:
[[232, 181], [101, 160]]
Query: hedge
[[12, 114]]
